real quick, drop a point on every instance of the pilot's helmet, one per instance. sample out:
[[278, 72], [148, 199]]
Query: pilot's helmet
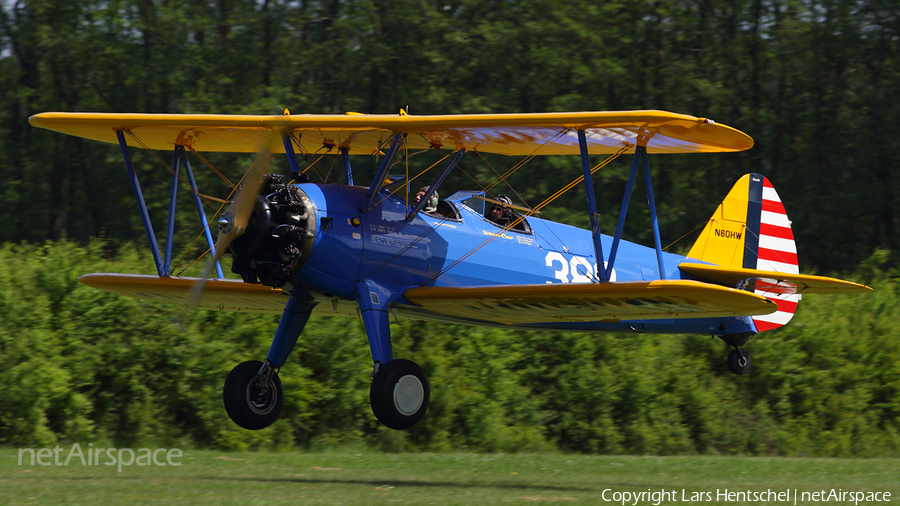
[[433, 201], [506, 200]]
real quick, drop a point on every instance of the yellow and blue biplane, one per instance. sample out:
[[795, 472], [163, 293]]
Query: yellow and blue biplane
[[473, 258]]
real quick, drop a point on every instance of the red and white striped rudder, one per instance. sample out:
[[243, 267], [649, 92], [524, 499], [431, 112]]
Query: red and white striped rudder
[[777, 252]]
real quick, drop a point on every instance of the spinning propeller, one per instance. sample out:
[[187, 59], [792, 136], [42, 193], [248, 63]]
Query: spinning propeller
[[233, 222]]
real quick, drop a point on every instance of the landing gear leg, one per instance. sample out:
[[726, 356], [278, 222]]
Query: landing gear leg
[[739, 361], [253, 394], [400, 392]]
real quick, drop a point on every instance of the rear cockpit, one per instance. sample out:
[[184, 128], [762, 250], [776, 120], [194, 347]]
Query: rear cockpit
[[480, 206]]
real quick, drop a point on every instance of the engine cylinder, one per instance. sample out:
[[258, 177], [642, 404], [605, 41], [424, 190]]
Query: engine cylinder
[[279, 236]]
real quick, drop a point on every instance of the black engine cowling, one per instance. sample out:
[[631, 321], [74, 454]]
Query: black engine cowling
[[279, 235]]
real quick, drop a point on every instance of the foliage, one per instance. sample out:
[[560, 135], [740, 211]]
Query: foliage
[[79, 364]]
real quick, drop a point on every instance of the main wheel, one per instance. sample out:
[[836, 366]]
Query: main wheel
[[739, 361], [399, 394], [250, 402]]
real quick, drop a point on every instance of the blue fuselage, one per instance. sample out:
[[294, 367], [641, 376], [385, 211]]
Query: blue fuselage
[[466, 249]]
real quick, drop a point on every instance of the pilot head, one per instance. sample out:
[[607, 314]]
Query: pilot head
[[432, 202], [499, 212]]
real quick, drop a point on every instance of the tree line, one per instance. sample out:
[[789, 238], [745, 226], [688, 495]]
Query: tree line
[[814, 82]]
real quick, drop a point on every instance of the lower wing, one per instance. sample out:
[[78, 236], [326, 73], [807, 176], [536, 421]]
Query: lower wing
[[221, 294], [609, 302]]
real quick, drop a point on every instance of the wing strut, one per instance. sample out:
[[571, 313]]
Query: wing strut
[[654, 220], [142, 204], [180, 152], [164, 265], [289, 150], [348, 171], [592, 206], [378, 183], [626, 199], [173, 194], [437, 182], [640, 155]]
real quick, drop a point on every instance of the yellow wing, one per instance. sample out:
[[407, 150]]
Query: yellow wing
[[508, 134], [508, 304], [222, 294], [773, 282], [611, 302]]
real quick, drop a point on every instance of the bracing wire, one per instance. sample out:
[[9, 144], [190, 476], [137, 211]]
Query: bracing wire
[[204, 198], [209, 223], [211, 166], [522, 217], [405, 335], [525, 160], [168, 167], [687, 234]]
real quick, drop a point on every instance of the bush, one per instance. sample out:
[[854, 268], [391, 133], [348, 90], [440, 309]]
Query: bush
[[79, 364]]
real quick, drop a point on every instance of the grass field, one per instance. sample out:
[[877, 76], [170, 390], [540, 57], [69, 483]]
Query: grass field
[[367, 478]]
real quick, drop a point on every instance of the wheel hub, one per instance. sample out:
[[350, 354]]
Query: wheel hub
[[408, 395], [261, 398]]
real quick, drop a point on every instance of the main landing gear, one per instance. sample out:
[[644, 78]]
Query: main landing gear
[[253, 395], [400, 391], [399, 394]]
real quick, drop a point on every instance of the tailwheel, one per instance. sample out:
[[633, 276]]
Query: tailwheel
[[739, 361], [252, 396], [399, 394]]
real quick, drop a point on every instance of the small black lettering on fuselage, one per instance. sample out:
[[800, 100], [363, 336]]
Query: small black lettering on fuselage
[[728, 234]]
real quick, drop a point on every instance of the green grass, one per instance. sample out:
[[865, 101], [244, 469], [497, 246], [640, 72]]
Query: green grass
[[366, 478]]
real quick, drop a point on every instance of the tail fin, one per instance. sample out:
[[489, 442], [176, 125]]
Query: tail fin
[[751, 230]]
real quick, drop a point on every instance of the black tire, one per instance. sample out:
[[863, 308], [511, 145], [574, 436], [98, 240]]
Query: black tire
[[735, 359], [399, 394], [249, 405]]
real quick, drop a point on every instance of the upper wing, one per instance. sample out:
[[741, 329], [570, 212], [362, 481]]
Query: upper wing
[[508, 134], [665, 299], [222, 294], [773, 282]]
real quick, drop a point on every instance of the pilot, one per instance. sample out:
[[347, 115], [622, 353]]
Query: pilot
[[501, 215], [431, 206]]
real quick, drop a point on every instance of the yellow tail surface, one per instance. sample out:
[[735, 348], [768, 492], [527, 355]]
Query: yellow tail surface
[[723, 240], [750, 229]]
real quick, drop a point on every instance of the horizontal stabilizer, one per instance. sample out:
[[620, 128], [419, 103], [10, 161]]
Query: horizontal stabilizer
[[610, 302], [221, 294], [771, 281]]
